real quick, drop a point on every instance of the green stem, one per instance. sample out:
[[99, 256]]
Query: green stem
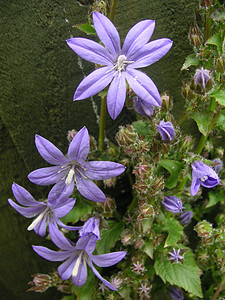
[[184, 116], [102, 124], [112, 9]]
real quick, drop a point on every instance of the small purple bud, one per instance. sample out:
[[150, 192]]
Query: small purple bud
[[218, 165], [142, 107], [185, 217], [166, 130], [176, 294], [91, 227], [173, 204], [201, 77]]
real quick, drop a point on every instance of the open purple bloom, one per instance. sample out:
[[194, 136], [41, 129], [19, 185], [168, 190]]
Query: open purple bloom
[[73, 168], [173, 204], [45, 212], [78, 257], [176, 294], [201, 77], [120, 64], [202, 175], [175, 255], [166, 130], [143, 107], [185, 217]]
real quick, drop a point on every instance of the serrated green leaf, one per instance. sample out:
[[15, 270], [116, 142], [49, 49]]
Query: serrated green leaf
[[174, 167], [109, 236], [191, 60], [215, 198], [87, 28], [219, 96], [203, 120], [174, 229], [81, 208], [220, 122], [142, 128], [184, 275], [148, 248], [85, 292], [216, 40]]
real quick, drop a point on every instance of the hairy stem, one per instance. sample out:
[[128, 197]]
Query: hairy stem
[[112, 9], [217, 292], [102, 124]]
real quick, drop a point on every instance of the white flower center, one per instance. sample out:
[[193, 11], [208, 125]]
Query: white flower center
[[120, 65], [71, 170], [81, 256], [204, 178], [37, 220]]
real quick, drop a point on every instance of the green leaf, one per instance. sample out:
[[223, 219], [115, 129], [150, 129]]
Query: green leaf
[[148, 248], [215, 198], [87, 28], [85, 292], [142, 128], [109, 237], [81, 208], [219, 96], [220, 122], [191, 60], [72, 297], [203, 120], [184, 275], [174, 229], [174, 167], [216, 40]]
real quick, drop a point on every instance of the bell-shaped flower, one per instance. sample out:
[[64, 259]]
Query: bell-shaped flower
[[173, 204], [202, 175], [119, 64], [166, 130], [91, 227], [73, 169], [185, 217], [76, 258], [46, 212], [143, 107]]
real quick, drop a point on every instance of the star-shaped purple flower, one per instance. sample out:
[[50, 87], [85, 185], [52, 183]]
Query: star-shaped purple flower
[[202, 175], [175, 255], [78, 257], [73, 168], [120, 64], [46, 212]]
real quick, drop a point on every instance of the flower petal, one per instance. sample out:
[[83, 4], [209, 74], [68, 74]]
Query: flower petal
[[100, 170], [66, 268], [63, 207], [87, 243], [107, 33], [59, 239], [90, 51], [60, 192], [116, 95], [143, 86], [195, 185], [41, 227], [81, 276], [94, 83], [49, 152], [71, 228], [50, 254], [109, 259], [137, 37], [151, 53], [79, 147], [108, 284], [23, 196], [89, 189], [46, 176], [28, 212]]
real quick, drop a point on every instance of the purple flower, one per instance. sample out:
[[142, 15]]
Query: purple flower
[[78, 257], [45, 212], [143, 107], [201, 77], [173, 204], [166, 130], [175, 255], [120, 64], [185, 217], [73, 168], [91, 227], [202, 175], [176, 294]]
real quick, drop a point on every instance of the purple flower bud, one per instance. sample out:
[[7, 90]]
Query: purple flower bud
[[218, 165], [176, 294], [91, 227], [173, 204], [142, 107], [185, 217], [202, 175], [166, 130], [201, 77]]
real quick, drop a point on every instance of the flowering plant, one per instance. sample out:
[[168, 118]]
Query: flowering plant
[[175, 184]]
